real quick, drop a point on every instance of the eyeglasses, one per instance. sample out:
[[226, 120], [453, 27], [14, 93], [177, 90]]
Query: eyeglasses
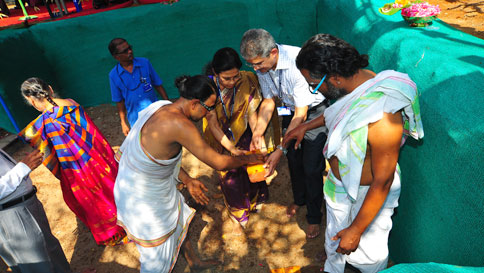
[[209, 108], [313, 89], [255, 65], [259, 64], [125, 51]]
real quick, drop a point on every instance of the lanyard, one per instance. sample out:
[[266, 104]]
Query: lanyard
[[279, 90], [141, 79], [225, 109]]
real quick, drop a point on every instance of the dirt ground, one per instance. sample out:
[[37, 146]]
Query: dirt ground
[[466, 15], [271, 240]]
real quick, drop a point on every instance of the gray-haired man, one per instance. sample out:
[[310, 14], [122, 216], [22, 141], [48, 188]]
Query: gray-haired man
[[279, 77]]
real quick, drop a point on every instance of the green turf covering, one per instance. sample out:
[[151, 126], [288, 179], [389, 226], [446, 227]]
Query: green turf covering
[[432, 268], [440, 218], [179, 39], [441, 213]]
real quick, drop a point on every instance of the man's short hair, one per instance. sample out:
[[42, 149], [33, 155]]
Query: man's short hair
[[256, 42], [324, 54], [113, 45]]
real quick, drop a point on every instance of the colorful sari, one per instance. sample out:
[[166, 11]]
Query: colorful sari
[[240, 195], [77, 153]]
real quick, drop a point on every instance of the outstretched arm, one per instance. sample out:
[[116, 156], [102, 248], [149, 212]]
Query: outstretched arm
[[189, 137], [263, 118], [219, 135], [299, 117], [384, 137], [299, 132]]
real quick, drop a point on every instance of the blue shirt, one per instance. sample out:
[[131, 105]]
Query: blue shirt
[[136, 88]]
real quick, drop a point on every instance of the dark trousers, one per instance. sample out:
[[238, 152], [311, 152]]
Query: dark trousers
[[306, 166]]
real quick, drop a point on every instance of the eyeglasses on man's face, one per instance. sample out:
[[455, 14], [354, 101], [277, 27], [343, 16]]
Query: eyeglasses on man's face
[[255, 65], [125, 51], [258, 64], [313, 87], [209, 108]]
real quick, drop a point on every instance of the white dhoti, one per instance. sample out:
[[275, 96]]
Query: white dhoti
[[348, 120], [162, 258], [150, 208], [372, 252]]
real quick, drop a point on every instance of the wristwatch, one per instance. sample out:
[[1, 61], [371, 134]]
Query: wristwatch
[[284, 150]]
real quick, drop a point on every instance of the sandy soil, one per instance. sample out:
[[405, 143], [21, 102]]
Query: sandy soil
[[466, 15], [271, 239]]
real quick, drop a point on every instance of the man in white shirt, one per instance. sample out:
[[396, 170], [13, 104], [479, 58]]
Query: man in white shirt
[[279, 77], [26, 241]]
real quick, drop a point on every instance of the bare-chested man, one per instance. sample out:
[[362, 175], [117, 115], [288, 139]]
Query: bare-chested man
[[150, 208], [366, 125]]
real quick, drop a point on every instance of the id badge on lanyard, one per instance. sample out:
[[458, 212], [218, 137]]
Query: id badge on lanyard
[[283, 111], [146, 85]]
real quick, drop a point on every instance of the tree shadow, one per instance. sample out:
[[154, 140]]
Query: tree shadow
[[88, 254]]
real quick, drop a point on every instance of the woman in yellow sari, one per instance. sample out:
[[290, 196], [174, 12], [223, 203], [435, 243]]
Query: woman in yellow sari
[[228, 130]]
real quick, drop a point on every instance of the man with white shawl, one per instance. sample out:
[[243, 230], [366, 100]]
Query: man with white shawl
[[370, 116], [150, 208]]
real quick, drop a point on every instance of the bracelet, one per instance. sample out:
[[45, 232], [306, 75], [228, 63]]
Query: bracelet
[[284, 150]]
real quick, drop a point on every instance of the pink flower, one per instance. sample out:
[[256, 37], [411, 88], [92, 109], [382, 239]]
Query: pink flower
[[421, 10]]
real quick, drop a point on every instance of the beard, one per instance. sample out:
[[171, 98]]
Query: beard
[[333, 93]]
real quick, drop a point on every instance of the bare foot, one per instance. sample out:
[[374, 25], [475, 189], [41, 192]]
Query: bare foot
[[291, 210], [312, 231]]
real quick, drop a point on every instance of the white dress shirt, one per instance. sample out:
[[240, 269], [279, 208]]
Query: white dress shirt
[[287, 82], [14, 178]]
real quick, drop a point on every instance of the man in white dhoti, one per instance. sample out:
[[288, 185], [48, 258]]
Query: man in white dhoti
[[370, 114], [150, 208]]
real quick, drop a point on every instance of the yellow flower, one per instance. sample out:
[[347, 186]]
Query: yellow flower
[[402, 2]]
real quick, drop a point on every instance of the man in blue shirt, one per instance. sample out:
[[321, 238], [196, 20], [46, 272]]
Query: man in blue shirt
[[132, 81]]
